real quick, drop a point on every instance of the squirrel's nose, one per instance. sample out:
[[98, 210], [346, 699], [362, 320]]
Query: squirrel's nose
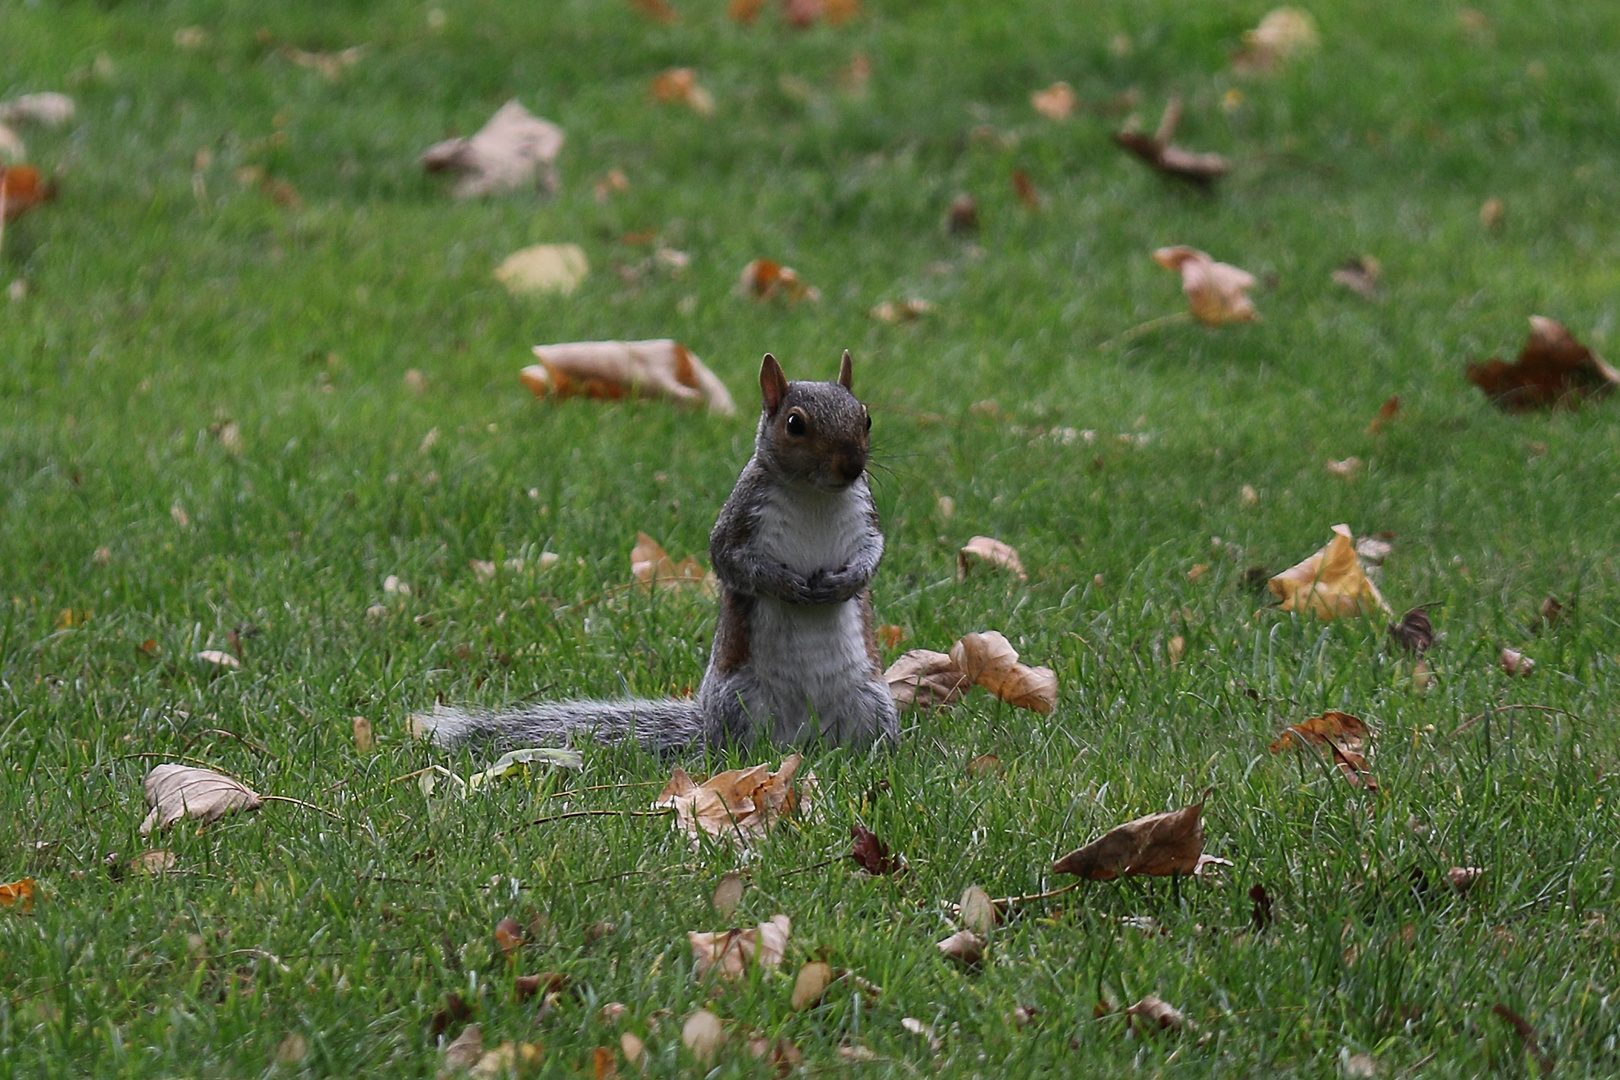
[[849, 466]]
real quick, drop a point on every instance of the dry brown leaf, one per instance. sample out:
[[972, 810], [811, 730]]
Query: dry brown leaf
[[1554, 370], [1025, 189], [1219, 293], [745, 11], [767, 279], [702, 1034], [509, 936], [1386, 413], [365, 739], [1551, 611], [507, 1059], [1177, 648], [1527, 1034], [1515, 662], [811, 984], [781, 1054], [926, 1031], [1158, 845], [612, 370], [893, 311], [739, 805], [1056, 102], [680, 86], [331, 65], [21, 892], [805, 13], [926, 679], [1463, 878], [1156, 1012], [652, 566], [1414, 631], [156, 861], [1491, 213], [1359, 275], [659, 10], [977, 911], [992, 551], [544, 268], [177, 791], [891, 635], [1331, 583], [985, 765], [871, 853], [964, 946], [22, 187], [1163, 155], [963, 216], [515, 149], [604, 1063], [1344, 735], [1282, 35], [989, 660], [727, 894], [547, 982]]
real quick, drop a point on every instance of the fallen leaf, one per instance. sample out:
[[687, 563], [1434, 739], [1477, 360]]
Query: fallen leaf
[[855, 77], [917, 1027], [891, 635], [985, 765], [507, 1059], [1282, 35], [1344, 735], [1463, 878], [156, 861], [517, 762], [965, 947], [658, 10], [766, 279], [544, 268], [1551, 611], [1359, 275], [1158, 151], [547, 982], [392, 583], [22, 187], [1177, 648], [926, 679], [963, 216], [1372, 551], [1348, 469], [702, 1034], [612, 370], [1025, 189], [977, 911], [604, 1063], [745, 11], [219, 658], [634, 1049], [1516, 663], [870, 853], [467, 1048], [858, 1053], [1248, 496], [989, 660], [891, 311], [652, 566], [1218, 292], [811, 984], [19, 892], [1155, 1011], [780, 1054], [177, 791], [1023, 1015], [1330, 583], [365, 739], [727, 894], [1386, 413], [992, 551], [679, 86], [1527, 1034], [292, 1049], [509, 936], [804, 13], [1491, 213], [740, 804], [1360, 1067], [331, 65], [1056, 102], [1260, 916], [1157, 845], [1414, 631], [1553, 371]]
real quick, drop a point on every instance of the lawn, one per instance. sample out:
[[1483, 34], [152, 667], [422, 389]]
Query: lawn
[[208, 441]]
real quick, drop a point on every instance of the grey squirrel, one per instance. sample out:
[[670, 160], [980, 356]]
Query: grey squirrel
[[795, 656]]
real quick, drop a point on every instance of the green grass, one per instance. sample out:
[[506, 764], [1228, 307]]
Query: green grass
[[156, 310]]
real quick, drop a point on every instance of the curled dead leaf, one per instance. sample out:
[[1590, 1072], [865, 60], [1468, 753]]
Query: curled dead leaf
[[22, 187], [219, 658], [1553, 370], [177, 791], [513, 150], [963, 216], [1516, 663], [926, 1031], [1056, 102], [652, 566], [702, 1034], [989, 660], [611, 370], [989, 550], [509, 936], [1345, 736], [1025, 189], [1330, 583], [467, 1048], [1157, 845], [767, 279], [1386, 414], [1285, 33], [1414, 632], [1463, 878], [727, 894], [1218, 292], [977, 911], [21, 891], [1359, 275], [1156, 1012], [965, 947], [365, 739], [871, 853], [739, 805], [811, 984], [680, 86], [730, 952], [1348, 469], [546, 982], [926, 679], [1158, 151]]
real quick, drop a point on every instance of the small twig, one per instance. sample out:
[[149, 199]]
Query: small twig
[[305, 805], [243, 739], [1142, 328], [1472, 720], [1029, 898]]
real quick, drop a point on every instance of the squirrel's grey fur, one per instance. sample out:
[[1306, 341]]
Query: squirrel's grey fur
[[795, 657]]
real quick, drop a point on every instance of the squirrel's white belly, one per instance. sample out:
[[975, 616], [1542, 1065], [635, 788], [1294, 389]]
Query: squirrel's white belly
[[817, 531], [810, 652]]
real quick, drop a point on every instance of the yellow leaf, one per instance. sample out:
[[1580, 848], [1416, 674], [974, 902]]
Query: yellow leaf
[[1331, 583]]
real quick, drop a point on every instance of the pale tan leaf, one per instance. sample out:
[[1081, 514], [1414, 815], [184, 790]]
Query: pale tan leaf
[[365, 739], [634, 1049], [964, 946], [1158, 845], [739, 805], [917, 1027], [1515, 662], [219, 658], [467, 1048], [652, 566], [925, 678], [544, 268], [292, 1049], [47, 109], [680, 86], [702, 1034], [611, 370], [899, 311], [177, 791], [1218, 292], [978, 912], [1331, 583], [989, 550], [1056, 102], [728, 894], [513, 150], [154, 862], [331, 65], [811, 984], [989, 659], [1157, 1012]]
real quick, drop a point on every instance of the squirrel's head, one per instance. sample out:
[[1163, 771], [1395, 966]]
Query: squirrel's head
[[815, 433]]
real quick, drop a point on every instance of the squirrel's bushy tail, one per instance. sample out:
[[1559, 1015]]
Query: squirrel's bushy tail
[[659, 725]]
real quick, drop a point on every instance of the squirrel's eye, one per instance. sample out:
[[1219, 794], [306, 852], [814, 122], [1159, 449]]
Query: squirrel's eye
[[796, 424], [868, 421]]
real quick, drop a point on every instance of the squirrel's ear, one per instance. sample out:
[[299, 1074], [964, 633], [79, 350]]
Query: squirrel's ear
[[846, 373], [773, 382]]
